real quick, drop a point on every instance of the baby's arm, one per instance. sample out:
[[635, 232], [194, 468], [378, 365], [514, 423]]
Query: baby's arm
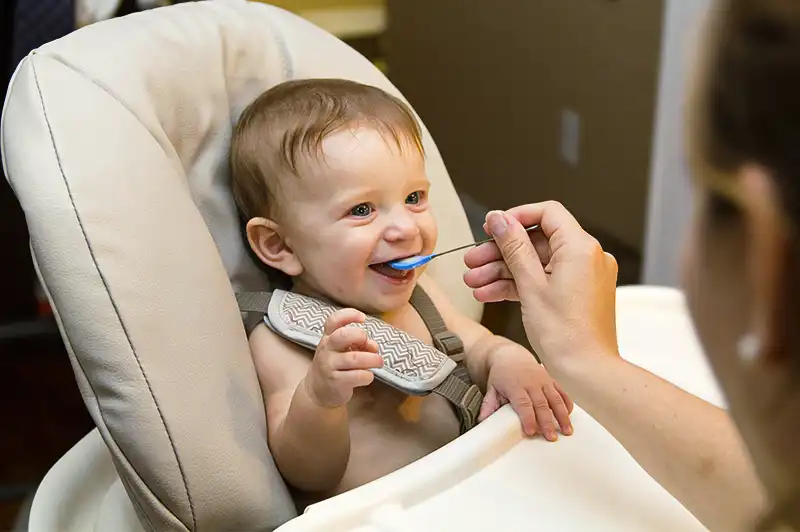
[[306, 405], [479, 342], [507, 372]]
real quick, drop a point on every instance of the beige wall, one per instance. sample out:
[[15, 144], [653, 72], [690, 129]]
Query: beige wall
[[490, 79], [302, 5]]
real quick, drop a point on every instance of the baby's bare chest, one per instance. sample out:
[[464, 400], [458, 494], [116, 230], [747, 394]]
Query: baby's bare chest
[[389, 429], [407, 319]]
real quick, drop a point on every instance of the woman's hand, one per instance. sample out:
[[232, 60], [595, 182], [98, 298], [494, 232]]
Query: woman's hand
[[566, 285], [559, 273]]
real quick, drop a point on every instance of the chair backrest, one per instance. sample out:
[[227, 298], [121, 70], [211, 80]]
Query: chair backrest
[[115, 142]]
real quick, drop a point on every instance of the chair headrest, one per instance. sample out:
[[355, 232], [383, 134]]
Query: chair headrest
[[115, 141]]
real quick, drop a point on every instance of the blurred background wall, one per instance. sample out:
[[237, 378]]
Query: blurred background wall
[[670, 196], [547, 99], [302, 5]]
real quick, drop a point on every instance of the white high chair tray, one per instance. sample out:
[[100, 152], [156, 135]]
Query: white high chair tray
[[489, 479], [493, 479]]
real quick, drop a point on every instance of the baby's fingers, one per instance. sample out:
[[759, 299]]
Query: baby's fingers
[[559, 408], [567, 400], [522, 405], [491, 402], [544, 415], [350, 339], [356, 360], [354, 378], [343, 317]]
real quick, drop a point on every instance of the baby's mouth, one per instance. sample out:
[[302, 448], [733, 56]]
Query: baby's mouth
[[384, 269]]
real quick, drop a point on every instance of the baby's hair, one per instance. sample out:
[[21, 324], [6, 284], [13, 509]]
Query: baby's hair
[[288, 124]]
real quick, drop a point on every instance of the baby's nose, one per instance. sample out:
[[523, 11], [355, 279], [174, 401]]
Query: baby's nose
[[401, 228]]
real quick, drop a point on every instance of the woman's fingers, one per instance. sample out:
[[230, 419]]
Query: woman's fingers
[[496, 292], [517, 249], [559, 273], [482, 255], [488, 252], [487, 274], [551, 216], [542, 246]]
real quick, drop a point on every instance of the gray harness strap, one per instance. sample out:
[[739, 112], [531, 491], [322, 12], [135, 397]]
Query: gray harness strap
[[253, 306], [457, 388]]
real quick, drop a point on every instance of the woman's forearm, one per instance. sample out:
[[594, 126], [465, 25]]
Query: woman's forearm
[[311, 446], [690, 447]]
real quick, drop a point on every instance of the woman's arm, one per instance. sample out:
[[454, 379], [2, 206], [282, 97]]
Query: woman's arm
[[689, 446], [567, 285]]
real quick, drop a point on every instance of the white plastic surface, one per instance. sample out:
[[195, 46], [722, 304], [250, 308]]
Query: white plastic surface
[[489, 479], [493, 479], [70, 497]]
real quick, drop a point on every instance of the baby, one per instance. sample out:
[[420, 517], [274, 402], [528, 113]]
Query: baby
[[330, 175]]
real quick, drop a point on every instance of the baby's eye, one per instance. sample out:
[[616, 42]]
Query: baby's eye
[[361, 210], [414, 198]]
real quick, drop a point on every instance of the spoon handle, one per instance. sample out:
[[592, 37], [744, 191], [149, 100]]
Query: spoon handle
[[528, 229]]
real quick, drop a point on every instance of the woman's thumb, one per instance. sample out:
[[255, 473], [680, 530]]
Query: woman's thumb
[[517, 249]]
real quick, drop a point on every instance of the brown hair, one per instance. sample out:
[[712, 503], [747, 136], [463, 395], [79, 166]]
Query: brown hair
[[292, 119], [747, 111]]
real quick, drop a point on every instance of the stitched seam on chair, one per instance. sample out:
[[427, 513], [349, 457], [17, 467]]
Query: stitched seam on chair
[[285, 57], [104, 88], [136, 502], [111, 298]]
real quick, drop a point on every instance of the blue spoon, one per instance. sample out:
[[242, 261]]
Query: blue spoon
[[410, 263]]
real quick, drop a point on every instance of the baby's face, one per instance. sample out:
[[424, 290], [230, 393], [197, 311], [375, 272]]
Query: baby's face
[[364, 204]]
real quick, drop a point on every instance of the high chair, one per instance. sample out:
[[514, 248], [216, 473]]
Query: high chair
[[115, 142]]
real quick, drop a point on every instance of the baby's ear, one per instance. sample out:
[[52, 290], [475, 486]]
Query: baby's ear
[[267, 242]]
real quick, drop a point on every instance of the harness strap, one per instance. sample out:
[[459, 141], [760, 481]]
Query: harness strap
[[465, 397], [253, 306], [458, 388], [443, 340]]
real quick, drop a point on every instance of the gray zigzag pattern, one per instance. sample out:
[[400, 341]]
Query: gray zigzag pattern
[[401, 352]]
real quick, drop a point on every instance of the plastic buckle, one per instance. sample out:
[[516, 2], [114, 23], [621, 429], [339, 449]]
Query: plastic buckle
[[450, 345]]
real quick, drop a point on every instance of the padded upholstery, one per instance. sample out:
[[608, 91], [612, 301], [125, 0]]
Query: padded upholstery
[[115, 140]]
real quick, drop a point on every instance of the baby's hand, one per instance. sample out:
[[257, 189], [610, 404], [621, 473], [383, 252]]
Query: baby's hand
[[342, 360], [516, 377]]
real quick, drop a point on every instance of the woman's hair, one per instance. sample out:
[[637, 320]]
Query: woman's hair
[[747, 111], [749, 98]]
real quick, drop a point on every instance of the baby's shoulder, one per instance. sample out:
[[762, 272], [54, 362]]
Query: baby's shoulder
[[273, 353]]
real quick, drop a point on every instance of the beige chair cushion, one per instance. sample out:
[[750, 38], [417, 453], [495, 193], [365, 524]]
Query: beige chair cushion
[[115, 141]]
